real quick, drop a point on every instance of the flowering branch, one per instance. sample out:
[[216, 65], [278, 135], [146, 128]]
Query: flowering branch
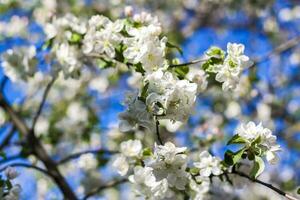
[[188, 63]]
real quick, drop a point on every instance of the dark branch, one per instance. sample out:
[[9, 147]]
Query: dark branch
[[188, 63], [270, 186], [77, 155], [102, 187], [25, 165], [10, 158], [38, 149], [279, 49], [157, 133], [8, 137], [43, 101]]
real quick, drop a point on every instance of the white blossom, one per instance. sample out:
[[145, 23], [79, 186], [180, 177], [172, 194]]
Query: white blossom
[[208, 165], [102, 36], [145, 47], [131, 148], [229, 72], [145, 184], [168, 97], [199, 77], [136, 114], [170, 162], [120, 163], [68, 58]]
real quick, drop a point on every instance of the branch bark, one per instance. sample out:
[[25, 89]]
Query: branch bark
[[38, 149], [270, 186], [43, 101]]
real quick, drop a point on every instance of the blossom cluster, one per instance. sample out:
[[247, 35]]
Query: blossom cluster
[[165, 172], [256, 136], [228, 69]]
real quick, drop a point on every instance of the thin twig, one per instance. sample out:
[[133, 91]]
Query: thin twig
[[25, 165], [10, 158], [279, 49], [188, 63], [157, 133], [43, 101], [102, 187], [8, 137], [77, 155], [270, 186]]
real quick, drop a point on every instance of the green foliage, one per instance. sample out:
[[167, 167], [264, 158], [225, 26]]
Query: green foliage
[[147, 152], [181, 71], [231, 158], [76, 38], [194, 171], [236, 140], [173, 46], [258, 167]]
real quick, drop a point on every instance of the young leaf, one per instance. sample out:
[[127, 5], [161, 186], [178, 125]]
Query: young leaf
[[170, 45], [258, 167], [231, 158], [236, 139], [147, 152]]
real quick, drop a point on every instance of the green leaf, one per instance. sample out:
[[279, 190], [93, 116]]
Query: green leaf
[[298, 191], [194, 171], [236, 139], [215, 52], [147, 152], [75, 38], [173, 46], [231, 158], [8, 184], [2, 154], [144, 91], [47, 44], [139, 68], [181, 71], [258, 167]]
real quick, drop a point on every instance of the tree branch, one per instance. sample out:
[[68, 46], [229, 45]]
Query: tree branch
[[270, 186], [277, 50], [38, 150], [188, 63], [10, 158], [77, 155], [157, 133], [8, 137], [43, 101], [102, 187], [27, 166]]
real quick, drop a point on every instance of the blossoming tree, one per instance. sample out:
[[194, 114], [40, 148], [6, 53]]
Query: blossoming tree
[[58, 116]]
